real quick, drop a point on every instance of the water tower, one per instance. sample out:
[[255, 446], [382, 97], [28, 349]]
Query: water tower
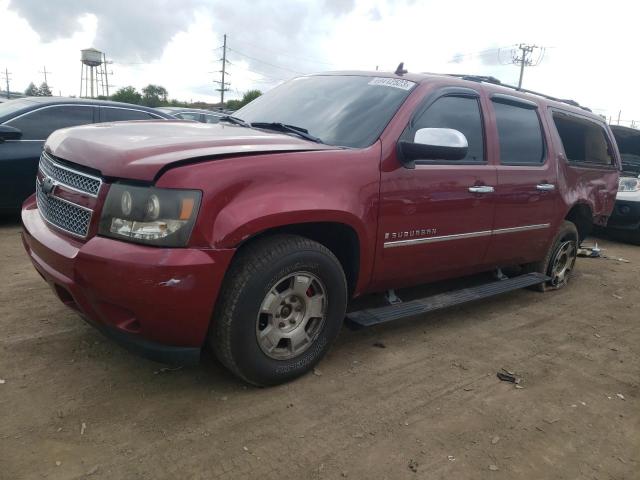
[[93, 80]]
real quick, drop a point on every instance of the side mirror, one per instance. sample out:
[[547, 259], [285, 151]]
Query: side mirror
[[433, 144], [9, 133]]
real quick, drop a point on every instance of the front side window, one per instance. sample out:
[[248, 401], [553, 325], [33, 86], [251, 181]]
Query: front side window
[[39, 124], [124, 114], [458, 113], [211, 118], [584, 141], [519, 134], [343, 110]]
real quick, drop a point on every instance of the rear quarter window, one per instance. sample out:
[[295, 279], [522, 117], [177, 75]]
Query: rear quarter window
[[584, 141]]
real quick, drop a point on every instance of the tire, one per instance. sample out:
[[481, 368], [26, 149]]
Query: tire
[[281, 306], [565, 244]]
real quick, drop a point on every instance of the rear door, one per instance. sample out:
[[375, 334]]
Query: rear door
[[436, 220], [527, 192]]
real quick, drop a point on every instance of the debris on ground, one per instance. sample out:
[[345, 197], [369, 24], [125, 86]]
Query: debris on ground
[[83, 427], [379, 345], [317, 372], [589, 252], [451, 458], [58, 463], [617, 296], [493, 468], [507, 376], [495, 440], [551, 420], [93, 471], [413, 465], [620, 396], [2, 381], [166, 369]]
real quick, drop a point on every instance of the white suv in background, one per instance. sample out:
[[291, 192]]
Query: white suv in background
[[626, 214]]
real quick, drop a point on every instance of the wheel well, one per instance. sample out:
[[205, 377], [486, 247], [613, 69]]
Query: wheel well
[[341, 239], [580, 215]]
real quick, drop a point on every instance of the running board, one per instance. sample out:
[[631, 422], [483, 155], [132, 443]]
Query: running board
[[374, 316]]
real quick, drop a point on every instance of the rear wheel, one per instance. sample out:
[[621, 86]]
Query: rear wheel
[[560, 259], [281, 306]]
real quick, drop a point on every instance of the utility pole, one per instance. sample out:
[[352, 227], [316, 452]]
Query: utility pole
[[525, 59], [6, 76], [44, 71], [223, 85]]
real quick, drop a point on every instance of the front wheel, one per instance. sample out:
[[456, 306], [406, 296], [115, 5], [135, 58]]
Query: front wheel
[[281, 305], [560, 259]]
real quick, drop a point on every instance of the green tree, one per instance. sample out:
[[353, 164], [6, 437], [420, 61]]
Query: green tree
[[154, 95], [127, 95], [246, 98], [32, 91], [44, 90]]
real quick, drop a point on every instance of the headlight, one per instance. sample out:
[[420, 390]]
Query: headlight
[[149, 215], [629, 184]]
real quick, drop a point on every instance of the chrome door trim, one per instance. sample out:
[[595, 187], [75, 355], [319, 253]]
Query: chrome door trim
[[523, 228], [443, 238], [459, 236], [546, 187], [481, 189]]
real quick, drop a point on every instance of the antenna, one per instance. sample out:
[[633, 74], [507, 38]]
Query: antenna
[[400, 70]]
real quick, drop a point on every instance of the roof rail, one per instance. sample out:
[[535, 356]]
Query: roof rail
[[495, 81]]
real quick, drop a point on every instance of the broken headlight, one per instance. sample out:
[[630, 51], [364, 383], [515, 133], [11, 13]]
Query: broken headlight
[[629, 184], [149, 215]]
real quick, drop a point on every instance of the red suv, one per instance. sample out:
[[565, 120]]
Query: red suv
[[251, 236]]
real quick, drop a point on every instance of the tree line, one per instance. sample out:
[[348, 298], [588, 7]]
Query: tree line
[[150, 96]]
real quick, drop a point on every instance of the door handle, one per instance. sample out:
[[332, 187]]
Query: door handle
[[481, 189], [545, 187]]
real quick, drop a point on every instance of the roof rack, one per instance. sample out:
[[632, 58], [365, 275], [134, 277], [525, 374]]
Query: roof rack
[[495, 81]]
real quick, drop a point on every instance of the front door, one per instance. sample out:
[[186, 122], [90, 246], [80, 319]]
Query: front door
[[436, 220]]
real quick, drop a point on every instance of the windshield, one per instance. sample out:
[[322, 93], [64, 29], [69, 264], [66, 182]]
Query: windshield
[[348, 111], [11, 106], [628, 141]]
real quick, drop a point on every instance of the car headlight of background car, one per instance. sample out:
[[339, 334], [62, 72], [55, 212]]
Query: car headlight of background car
[[149, 215], [629, 184]]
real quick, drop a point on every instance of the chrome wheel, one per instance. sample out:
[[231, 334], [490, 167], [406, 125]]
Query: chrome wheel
[[291, 315], [562, 263]]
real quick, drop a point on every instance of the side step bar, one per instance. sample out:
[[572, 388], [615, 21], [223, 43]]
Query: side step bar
[[374, 316]]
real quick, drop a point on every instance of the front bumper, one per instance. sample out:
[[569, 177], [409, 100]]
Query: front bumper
[[154, 301], [625, 216]]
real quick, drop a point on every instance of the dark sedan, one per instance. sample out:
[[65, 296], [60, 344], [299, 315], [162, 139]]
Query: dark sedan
[[26, 123]]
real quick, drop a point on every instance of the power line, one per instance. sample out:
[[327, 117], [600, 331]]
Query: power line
[[306, 59], [45, 72], [266, 63]]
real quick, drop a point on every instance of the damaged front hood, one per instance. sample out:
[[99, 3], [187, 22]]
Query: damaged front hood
[[139, 150]]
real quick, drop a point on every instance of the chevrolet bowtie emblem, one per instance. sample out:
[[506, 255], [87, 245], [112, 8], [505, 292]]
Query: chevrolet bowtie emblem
[[48, 185]]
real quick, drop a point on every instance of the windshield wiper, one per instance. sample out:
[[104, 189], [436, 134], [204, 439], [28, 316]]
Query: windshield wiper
[[234, 120], [283, 127]]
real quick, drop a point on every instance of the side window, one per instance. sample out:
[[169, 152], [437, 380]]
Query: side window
[[583, 141], [38, 125], [123, 114], [211, 118], [459, 113], [519, 134], [189, 116]]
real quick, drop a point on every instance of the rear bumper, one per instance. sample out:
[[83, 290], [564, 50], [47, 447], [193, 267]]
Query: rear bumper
[[625, 216], [157, 302]]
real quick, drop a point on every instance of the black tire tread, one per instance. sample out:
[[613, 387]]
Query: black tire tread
[[249, 261]]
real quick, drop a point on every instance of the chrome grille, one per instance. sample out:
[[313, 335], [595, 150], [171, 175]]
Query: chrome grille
[[65, 215], [69, 177]]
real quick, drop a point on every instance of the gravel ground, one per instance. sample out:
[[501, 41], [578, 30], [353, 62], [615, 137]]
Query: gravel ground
[[414, 399]]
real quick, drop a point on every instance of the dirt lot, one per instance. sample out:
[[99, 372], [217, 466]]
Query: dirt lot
[[428, 405]]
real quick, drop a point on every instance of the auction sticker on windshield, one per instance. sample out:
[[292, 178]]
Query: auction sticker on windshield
[[392, 82]]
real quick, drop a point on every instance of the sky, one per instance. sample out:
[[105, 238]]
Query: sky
[[588, 48]]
